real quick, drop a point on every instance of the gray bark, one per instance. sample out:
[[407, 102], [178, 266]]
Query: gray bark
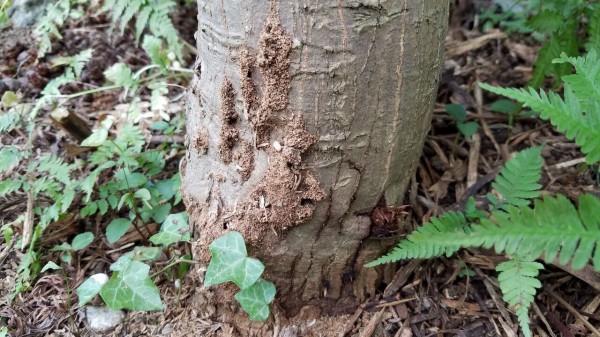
[[356, 79]]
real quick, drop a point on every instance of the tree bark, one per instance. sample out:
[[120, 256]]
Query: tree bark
[[303, 117]]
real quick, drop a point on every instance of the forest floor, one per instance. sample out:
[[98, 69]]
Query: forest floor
[[433, 298]]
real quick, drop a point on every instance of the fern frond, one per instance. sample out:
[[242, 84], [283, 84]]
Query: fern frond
[[88, 183], [151, 14], [434, 238], [141, 22], [546, 21], [121, 75], [76, 62], [56, 168], [133, 6], [553, 227], [160, 25], [9, 186], [517, 180], [9, 157], [563, 40], [9, 120], [518, 282], [48, 25], [566, 115], [53, 87], [585, 83], [593, 42]]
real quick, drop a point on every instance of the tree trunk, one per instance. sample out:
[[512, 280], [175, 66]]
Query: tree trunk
[[303, 117]]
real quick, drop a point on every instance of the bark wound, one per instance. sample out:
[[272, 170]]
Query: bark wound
[[273, 61], [247, 71], [201, 142], [288, 193], [229, 135]]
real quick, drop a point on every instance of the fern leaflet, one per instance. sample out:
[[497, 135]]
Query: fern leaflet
[[517, 181], [427, 241], [517, 278], [553, 227]]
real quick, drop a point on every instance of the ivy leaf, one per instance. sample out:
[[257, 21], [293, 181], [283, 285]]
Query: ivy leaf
[[503, 106], [467, 129], [99, 136], [174, 229], [166, 188], [9, 99], [142, 194], [116, 229], [129, 180], [230, 262], [457, 112], [122, 262], [131, 288], [88, 290], [50, 265], [160, 213], [82, 240], [256, 298], [146, 253], [126, 198]]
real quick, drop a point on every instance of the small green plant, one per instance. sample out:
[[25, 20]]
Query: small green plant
[[565, 26], [459, 114], [79, 242], [553, 228], [230, 262], [510, 16], [131, 286], [121, 178], [151, 14]]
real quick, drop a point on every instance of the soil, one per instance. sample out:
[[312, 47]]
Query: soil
[[420, 298]]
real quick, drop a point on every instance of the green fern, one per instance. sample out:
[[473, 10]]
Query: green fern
[[553, 227], [55, 167], [76, 62], [517, 180], [153, 14], [562, 41], [578, 115], [48, 26], [429, 240], [517, 278]]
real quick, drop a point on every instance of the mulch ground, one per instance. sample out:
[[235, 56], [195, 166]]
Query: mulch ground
[[422, 298]]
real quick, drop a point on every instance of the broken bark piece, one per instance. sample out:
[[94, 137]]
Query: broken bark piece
[[71, 123]]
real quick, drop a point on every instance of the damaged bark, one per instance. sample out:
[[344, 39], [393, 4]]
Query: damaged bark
[[308, 114]]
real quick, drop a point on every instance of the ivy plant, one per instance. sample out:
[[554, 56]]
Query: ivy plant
[[230, 262]]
